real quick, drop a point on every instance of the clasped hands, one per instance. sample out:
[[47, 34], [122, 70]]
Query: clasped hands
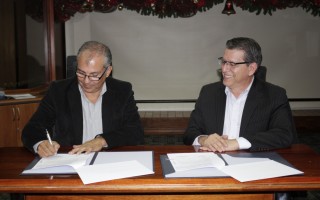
[[216, 143], [45, 149]]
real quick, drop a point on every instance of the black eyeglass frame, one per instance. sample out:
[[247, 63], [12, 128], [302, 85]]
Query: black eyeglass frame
[[232, 64], [90, 76]]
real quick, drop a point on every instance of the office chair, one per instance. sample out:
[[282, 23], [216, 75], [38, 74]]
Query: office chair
[[261, 73], [71, 66]]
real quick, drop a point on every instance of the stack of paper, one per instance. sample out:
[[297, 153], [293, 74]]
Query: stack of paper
[[58, 164], [95, 167], [241, 166], [192, 165], [189, 161], [21, 96]]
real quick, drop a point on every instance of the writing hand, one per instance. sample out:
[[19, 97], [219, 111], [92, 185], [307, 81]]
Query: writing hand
[[45, 149], [89, 146]]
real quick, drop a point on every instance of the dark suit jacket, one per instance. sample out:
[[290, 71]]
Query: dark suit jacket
[[266, 123], [61, 112]]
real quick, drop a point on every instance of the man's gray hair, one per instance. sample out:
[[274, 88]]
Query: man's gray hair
[[96, 48]]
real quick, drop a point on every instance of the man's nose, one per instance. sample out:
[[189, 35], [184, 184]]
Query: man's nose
[[86, 79]]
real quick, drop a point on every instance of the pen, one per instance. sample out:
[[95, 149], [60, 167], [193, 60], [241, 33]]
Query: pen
[[49, 138]]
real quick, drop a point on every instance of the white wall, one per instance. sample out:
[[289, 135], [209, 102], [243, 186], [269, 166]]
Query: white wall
[[172, 58]]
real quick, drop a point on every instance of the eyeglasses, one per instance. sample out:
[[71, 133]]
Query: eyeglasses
[[91, 77], [233, 65]]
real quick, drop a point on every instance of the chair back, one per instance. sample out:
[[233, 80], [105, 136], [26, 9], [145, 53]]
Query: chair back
[[261, 73], [71, 66]]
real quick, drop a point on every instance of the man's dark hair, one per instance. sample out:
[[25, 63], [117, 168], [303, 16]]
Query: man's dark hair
[[251, 48]]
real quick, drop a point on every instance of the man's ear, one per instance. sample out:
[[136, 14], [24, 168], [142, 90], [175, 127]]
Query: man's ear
[[109, 70], [252, 68]]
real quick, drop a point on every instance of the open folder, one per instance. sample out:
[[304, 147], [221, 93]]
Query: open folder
[[233, 162], [66, 164]]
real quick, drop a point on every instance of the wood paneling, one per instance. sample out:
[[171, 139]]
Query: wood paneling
[[267, 196], [7, 44], [13, 118], [175, 122]]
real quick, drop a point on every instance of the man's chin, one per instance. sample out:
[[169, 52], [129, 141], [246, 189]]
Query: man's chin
[[226, 80], [88, 90]]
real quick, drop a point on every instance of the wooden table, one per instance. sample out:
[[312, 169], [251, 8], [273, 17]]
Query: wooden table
[[14, 160]]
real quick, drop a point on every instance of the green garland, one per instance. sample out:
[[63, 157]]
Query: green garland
[[65, 9], [270, 6]]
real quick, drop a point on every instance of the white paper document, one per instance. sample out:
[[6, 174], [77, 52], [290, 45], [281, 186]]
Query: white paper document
[[231, 160], [21, 96], [144, 157], [243, 166], [259, 170], [73, 160], [190, 161], [104, 172], [59, 164], [95, 167]]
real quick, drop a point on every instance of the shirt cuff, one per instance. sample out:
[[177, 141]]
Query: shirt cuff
[[35, 147], [243, 143], [196, 141]]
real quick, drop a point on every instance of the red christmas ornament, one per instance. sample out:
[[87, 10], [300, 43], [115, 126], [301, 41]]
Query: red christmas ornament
[[200, 3]]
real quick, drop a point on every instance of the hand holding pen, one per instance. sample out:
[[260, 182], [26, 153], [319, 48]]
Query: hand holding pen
[[48, 147], [48, 136]]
